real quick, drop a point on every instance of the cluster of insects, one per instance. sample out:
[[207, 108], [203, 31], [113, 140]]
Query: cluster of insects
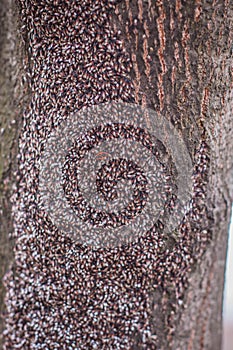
[[108, 176], [62, 294]]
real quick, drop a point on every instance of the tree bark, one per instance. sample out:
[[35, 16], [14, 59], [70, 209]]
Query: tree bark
[[12, 97], [174, 58]]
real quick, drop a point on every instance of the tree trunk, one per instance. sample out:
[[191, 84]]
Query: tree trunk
[[161, 288], [11, 101]]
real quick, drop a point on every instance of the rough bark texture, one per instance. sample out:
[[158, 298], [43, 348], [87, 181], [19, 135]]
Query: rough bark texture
[[11, 100], [182, 67], [180, 58]]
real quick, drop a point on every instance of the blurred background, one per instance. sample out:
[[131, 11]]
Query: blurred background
[[228, 295]]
